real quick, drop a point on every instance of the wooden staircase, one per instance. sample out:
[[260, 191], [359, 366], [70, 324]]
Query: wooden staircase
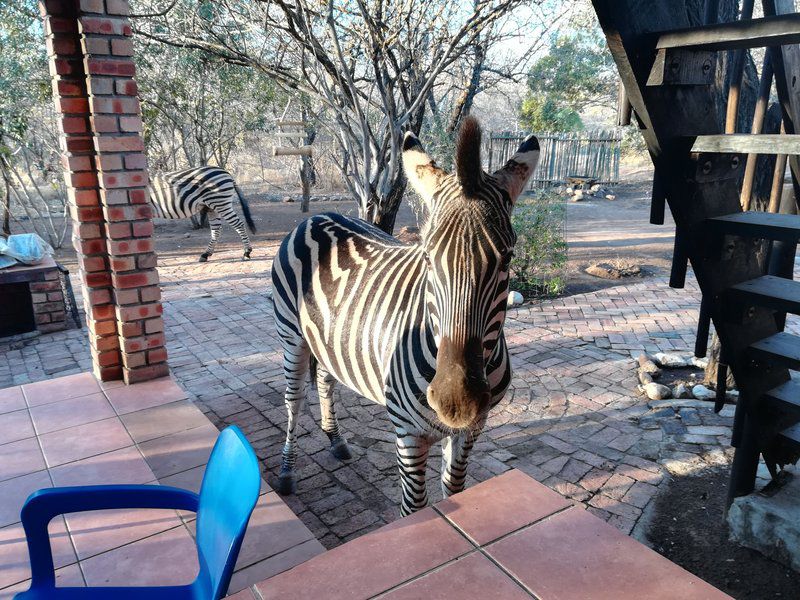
[[743, 260]]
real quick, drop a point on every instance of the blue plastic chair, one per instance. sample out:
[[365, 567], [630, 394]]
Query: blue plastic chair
[[227, 497]]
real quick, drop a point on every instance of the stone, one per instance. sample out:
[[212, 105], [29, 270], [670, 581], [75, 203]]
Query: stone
[[770, 525], [569, 190], [672, 360], [595, 188], [700, 363], [645, 377], [611, 197], [656, 391], [515, 299], [647, 365], [288, 199], [689, 403], [701, 392], [681, 391], [577, 196]]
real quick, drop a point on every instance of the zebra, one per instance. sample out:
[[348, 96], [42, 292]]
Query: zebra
[[202, 190], [415, 327]]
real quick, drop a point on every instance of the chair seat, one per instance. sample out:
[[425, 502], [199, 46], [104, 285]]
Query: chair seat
[[183, 592]]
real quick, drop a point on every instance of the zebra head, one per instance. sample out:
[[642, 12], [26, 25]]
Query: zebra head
[[468, 243]]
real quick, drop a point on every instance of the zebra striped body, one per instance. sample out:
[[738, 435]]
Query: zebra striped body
[[211, 190], [418, 328]]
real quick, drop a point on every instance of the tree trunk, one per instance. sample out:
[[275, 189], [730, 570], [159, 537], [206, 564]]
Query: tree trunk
[[387, 208], [308, 174], [6, 201]]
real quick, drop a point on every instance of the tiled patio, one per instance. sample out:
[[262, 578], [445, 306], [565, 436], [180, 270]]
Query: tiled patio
[[509, 537], [76, 431]]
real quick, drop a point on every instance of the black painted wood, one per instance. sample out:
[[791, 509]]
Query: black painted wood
[[775, 293], [785, 396], [778, 349], [758, 225], [755, 33]]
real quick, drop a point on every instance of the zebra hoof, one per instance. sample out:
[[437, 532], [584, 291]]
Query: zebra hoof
[[246, 255], [286, 484], [341, 450], [203, 257]]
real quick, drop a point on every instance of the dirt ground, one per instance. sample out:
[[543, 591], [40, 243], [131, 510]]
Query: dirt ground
[[686, 524]]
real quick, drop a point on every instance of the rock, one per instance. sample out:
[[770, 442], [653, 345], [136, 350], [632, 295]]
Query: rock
[[732, 395], [645, 377], [569, 190], [671, 360], [560, 189], [187, 235], [656, 391], [617, 270], [681, 391], [288, 199], [647, 365], [701, 392], [688, 403], [595, 188], [577, 196], [700, 363], [515, 299], [611, 197]]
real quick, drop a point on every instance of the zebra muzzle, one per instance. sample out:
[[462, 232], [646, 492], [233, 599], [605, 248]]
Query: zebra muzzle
[[459, 392]]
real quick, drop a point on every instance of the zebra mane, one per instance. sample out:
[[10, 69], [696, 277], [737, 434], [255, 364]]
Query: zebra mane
[[468, 156]]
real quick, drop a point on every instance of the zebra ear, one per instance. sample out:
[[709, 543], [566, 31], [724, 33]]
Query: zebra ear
[[515, 173], [420, 169]]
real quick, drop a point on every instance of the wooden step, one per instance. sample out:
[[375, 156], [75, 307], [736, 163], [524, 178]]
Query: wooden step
[[781, 349], [755, 33], [785, 396], [791, 436], [768, 291], [746, 143], [756, 224]]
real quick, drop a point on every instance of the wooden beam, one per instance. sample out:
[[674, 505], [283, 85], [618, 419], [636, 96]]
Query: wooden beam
[[772, 143], [291, 151], [291, 123], [756, 33]]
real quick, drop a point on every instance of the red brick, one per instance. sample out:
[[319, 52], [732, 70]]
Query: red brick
[[83, 179], [56, 325], [150, 294], [122, 47], [90, 246], [62, 45], [129, 213], [72, 105], [47, 307], [146, 373], [132, 360], [43, 318], [128, 143], [134, 313], [92, 263], [79, 145], [142, 228], [97, 279], [117, 106], [131, 329], [125, 179], [92, 6], [114, 197], [123, 263], [113, 373], [130, 124], [138, 197], [135, 280], [88, 231], [127, 297], [146, 261], [100, 86], [96, 45], [86, 214], [44, 286], [126, 87], [154, 326], [134, 246], [77, 163], [56, 296], [116, 231], [65, 87], [97, 297], [135, 161], [110, 162], [84, 197], [74, 125], [122, 67], [54, 25], [105, 123], [107, 359], [118, 7], [157, 355], [110, 342], [105, 25], [103, 312]]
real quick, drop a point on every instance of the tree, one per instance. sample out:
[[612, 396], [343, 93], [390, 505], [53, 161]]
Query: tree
[[577, 73], [369, 67]]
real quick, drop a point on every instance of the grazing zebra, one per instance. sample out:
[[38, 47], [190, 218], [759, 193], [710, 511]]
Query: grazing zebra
[[202, 190], [415, 327]]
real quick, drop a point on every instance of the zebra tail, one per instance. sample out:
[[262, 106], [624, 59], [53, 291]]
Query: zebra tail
[[245, 209], [312, 369]]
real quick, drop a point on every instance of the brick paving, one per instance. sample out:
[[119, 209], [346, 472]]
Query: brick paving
[[571, 420]]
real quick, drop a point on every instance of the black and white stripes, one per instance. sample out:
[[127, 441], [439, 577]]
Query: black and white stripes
[[210, 190], [418, 328]]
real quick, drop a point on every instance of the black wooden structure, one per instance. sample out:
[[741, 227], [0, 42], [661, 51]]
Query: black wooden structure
[[743, 260]]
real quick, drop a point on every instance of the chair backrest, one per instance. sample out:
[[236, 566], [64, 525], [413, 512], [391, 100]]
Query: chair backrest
[[228, 495]]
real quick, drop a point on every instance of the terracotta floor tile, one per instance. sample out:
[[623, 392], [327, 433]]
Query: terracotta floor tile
[[11, 399], [180, 451], [69, 413], [62, 388], [473, 577], [374, 562], [276, 564], [151, 423], [139, 396], [15, 426], [20, 458], [83, 441], [574, 555], [69, 576], [102, 530], [501, 505], [14, 492], [14, 561], [168, 558], [245, 594], [112, 468], [190, 479]]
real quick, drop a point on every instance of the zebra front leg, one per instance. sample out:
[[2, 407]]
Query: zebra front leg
[[232, 219], [296, 355], [215, 223], [330, 425], [412, 459], [455, 456]]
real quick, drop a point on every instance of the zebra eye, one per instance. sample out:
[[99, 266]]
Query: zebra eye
[[505, 259], [426, 257]]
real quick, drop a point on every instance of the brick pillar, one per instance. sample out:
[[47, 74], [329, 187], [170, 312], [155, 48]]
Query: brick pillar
[[106, 172]]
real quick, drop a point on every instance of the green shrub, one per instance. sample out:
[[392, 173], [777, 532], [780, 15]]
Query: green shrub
[[540, 256]]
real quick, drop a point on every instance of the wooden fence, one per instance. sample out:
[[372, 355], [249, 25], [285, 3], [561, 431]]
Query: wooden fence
[[587, 153]]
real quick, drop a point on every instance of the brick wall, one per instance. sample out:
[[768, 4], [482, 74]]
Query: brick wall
[[91, 63], [48, 302]]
